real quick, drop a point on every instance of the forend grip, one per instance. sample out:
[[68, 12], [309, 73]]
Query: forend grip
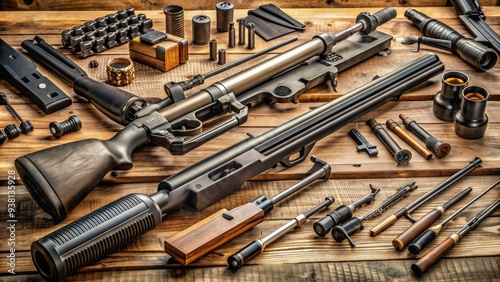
[[49, 175], [375, 20], [88, 239]]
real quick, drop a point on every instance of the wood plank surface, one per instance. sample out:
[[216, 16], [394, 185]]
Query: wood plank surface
[[66, 5], [300, 255]]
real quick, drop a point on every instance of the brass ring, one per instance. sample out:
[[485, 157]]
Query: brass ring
[[120, 71]]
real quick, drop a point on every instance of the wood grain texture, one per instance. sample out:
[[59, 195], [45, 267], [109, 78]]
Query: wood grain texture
[[80, 5], [300, 255]]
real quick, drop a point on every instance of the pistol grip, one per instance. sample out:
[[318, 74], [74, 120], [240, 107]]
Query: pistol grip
[[212, 232]]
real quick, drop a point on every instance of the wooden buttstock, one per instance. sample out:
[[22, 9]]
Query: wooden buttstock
[[416, 229], [210, 233], [421, 265]]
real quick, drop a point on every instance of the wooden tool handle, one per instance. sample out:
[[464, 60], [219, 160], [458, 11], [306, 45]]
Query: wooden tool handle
[[432, 256], [415, 229], [212, 232], [383, 225]]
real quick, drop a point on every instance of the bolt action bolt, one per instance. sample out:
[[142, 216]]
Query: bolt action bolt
[[213, 50], [438, 147], [72, 124], [232, 36], [401, 156], [394, 126], [251, 35], [241, 32]]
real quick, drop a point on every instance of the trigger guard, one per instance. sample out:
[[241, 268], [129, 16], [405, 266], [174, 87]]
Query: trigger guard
[[303, 153], [192, 127]]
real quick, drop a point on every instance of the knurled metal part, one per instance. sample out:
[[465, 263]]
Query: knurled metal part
[[120, 71], [103, 29], [174, 20], [225, 14], [201, 29], [72, 124]]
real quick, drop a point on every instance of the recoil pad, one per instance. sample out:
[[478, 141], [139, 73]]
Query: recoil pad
[[101, 232]]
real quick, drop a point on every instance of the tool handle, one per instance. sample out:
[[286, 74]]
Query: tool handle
[[384, 224], [421, 265], [212, 232], [422, 241], [403, 239]]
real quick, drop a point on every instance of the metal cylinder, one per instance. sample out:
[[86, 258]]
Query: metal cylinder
[[232, 36], [225, 12], [241, 31], [447, 101], [174, 20], [213, 50], [401, 156], [394, 126], [251, 36], [201, 29], [222, 56], [471, 121]]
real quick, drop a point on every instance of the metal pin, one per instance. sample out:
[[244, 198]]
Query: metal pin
[[222, 56], [241, 31], [232, 36], [213, 50], [251, 35]]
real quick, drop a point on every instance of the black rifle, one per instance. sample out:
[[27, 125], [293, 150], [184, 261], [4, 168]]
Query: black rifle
[[471, 15], [107, 229], [45, 172]]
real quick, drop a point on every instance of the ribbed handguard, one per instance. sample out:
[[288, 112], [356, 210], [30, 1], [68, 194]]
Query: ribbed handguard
[[88, 239], [385, 15]]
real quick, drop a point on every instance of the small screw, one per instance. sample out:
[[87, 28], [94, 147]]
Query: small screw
[[72, 124]]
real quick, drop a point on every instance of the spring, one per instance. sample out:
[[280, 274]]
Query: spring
[[201, 29], [174, 20], [225, 11]]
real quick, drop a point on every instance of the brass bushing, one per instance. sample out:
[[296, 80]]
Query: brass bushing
[[120, 71]]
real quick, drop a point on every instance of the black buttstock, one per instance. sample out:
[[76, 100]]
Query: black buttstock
[[60, 177]]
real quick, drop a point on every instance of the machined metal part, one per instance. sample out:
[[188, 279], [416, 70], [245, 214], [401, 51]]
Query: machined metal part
[[394, 126], [174, 20], [363, 144], [439, 148], [12, 131], [447, 102], [238, 259], [251, 35], [222, 56], [401, 156], [231, 36], [201, 29], [241, 31], [72, 124], [213, 50], [224, 15], [471, 120]]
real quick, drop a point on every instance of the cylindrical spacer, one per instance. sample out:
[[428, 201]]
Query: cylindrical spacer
[[222, 56], [241, 31], [213, 50], [174, 20], [471, 121], [447, 101], [325, 224], [232, 36], [201, 29], [225, 12], [251, 35]]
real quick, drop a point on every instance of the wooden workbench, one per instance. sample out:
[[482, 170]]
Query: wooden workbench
[[300, 255]]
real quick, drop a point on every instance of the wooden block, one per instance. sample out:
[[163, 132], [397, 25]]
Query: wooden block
[[212, 232], [163, 56]]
